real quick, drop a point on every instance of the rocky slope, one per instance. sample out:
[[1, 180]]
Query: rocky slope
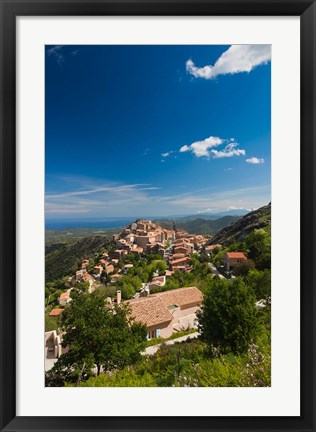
[[238, 230]]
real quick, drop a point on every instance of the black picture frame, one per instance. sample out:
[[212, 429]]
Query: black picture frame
[[10, 9]]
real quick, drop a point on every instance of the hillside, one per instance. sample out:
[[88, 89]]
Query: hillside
[[238, 230], [199, 225], [61, 259]]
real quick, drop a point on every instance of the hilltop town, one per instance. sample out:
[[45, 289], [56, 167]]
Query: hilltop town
[[160, 275], [138, 241]]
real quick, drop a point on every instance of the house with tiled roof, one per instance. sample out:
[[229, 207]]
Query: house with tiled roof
[[164, 312], [115, 277], [109, 268], [88, 278], [210, 249], [56, 312], [98, 269], [181, 262], [64, 298], [157, 281], [232, 259]]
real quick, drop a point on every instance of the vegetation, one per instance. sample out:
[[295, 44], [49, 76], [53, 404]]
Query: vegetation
[[240, 229], [104, 344], [229, 319], [141, 272], [199, 225], [96, 336], [59, 237], [189, 364], [63, 260]]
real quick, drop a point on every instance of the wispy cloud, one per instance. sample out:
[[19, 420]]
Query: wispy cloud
[[98, 198], [229, 151], [255, 160], [206, 149], [56, 51], [238, 58], [114, 200], [164, 155]]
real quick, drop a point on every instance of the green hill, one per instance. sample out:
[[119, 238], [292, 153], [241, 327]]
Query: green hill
[[62, 259], [238, 230], [199, 225]]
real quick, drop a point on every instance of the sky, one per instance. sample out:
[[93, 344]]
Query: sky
[[136, 131]]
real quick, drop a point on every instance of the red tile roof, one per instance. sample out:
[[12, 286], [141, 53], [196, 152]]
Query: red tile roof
[[180, 260], [153, 310], [149, 311], [183, 297], [64, 295], [56, 312], [236, 255]]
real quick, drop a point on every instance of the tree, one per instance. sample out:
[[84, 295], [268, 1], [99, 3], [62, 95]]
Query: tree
[[229, 320], [260, 282], [259, 246], [244, 267], [97, 335]]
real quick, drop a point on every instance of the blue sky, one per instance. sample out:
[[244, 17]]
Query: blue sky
[[156, 130]]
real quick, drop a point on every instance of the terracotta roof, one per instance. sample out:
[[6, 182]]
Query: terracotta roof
[[183, 297], [64, 295], [149, 310], [87, 276], [239, 255], [56, 312], [211, 247], [153, 310], [178, 255], [180, 260]]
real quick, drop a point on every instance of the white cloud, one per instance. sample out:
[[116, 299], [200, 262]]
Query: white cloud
[[229, 151], [201, 148], [205, 148], [255, 160], [238, 58]]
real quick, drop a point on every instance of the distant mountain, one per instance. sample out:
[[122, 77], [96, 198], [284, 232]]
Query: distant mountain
[[236, 212], [198, 225], [61, 259], [238, 230]]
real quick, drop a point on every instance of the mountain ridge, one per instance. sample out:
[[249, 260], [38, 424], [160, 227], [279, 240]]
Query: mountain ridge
[[238, 230]]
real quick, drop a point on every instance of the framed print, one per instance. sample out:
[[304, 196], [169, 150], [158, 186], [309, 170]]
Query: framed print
[[157, 224]]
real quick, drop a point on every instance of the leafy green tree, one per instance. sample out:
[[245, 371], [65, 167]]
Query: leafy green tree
[[259, 245], [260, 282], [229, 320], [97, 336]]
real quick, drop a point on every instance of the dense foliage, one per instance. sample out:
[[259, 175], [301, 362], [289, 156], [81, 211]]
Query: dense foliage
[[189, 365], [229, 319], [96, 336]]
